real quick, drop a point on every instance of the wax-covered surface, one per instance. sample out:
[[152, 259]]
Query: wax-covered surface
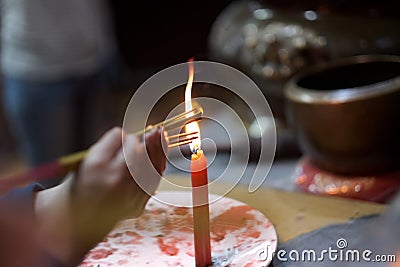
[[163, 236]]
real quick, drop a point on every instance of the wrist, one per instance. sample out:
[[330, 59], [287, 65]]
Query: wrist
[[53, 213]]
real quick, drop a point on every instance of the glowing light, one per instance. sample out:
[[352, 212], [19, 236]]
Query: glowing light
[[263, 13], [310, 15], [344, 189], [192, 126], [301, 179]]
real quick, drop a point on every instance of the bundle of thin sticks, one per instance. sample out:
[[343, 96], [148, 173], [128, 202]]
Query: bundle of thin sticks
[[65, 164]]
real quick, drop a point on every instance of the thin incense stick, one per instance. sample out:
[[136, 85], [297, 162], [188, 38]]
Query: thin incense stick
[[65, 164]]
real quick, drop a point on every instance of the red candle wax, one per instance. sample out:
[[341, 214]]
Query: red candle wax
[[201, 217]]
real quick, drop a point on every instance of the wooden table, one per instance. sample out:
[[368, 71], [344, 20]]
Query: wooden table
[[292, 213]]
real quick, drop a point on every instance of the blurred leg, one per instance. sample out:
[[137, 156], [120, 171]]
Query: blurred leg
[[41, 118]]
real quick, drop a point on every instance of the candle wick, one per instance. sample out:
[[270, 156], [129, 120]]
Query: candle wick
[[195, 149]]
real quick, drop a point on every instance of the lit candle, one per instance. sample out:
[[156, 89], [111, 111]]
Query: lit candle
[[201, 218], [198, 169]]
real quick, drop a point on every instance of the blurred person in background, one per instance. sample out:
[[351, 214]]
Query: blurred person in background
[[57, 59]]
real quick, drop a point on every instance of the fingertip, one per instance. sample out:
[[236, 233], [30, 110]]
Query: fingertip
[[117, 129], [130, 138], [108, 144], [114, 131]]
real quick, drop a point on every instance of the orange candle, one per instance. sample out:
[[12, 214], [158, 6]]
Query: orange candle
[[201, 217]]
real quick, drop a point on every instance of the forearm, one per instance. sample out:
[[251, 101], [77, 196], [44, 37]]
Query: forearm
[[67, 227], [62, 234], [75, 215], [52, 212]]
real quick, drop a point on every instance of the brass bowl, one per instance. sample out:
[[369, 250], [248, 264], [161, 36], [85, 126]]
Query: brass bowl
[[346, 114]]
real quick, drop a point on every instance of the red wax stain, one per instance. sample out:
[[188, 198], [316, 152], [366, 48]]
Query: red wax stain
[[249, 264], [95, 264], [190, 249], [157, 211], [218, 236], [252, 233], [115, 235], [181, 211], [100, 254], [133, 234], [233, 219], [190, 253], [169, 247]]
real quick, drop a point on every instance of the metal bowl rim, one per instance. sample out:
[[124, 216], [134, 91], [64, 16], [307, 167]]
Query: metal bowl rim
[[342, 95]]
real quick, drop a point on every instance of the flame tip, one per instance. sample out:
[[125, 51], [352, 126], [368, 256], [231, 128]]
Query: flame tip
[[192, 126]]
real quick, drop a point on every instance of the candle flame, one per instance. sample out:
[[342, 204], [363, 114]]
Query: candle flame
[[192, 126]]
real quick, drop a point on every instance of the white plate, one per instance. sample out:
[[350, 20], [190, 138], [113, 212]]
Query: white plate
[[163, 236]]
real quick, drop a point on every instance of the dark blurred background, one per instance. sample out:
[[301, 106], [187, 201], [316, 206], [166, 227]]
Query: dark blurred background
[[156, 34], [151, 35]]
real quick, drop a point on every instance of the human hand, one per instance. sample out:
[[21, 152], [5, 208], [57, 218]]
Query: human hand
[[104, 181], [79, 212]]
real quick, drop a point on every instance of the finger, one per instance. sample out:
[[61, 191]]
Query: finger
[[155, 141], [108, 145], [127, 153], [146, 172]]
